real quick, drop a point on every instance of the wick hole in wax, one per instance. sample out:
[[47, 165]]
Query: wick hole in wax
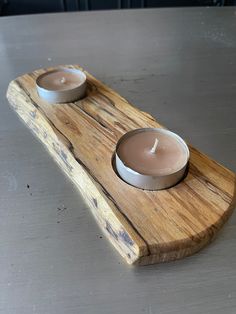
[[63, 80]]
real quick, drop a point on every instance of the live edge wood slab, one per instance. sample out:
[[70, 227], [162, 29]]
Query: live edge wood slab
[[144, 226]]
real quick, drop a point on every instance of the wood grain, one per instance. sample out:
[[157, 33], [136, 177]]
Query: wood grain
[[145, 226]]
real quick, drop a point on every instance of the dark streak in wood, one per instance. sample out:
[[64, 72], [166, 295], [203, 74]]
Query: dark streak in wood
[[33, 114], [111, 103], [111, 231], [95, 202], [201, 178], [94, 118], [108, 112], [62, 156], [125, 237], [27, 93], [106, 99], [121, 126]]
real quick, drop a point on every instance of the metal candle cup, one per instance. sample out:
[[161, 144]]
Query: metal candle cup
[[151, 158], [62, 85]]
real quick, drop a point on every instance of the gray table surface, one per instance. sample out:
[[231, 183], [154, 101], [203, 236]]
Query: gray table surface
[[179, 65]]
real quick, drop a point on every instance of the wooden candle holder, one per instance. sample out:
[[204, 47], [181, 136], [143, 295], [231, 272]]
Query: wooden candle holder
[[144, 226]]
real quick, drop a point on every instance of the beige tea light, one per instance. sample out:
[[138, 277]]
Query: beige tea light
[[61, 85], [151, 158]]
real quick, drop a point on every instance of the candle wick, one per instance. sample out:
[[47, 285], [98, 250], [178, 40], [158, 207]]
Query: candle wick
[[154, 147], [63, 80]]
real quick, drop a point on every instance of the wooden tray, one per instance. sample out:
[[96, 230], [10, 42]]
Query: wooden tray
[[144, 226]]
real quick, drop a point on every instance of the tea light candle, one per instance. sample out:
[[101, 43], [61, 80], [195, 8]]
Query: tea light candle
[[61, 85], [151, 158]]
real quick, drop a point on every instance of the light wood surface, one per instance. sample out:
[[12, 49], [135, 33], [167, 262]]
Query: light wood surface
[[145, 226]]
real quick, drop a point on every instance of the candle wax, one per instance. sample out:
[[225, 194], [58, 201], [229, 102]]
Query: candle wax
[[59, 80], [135, 153]]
